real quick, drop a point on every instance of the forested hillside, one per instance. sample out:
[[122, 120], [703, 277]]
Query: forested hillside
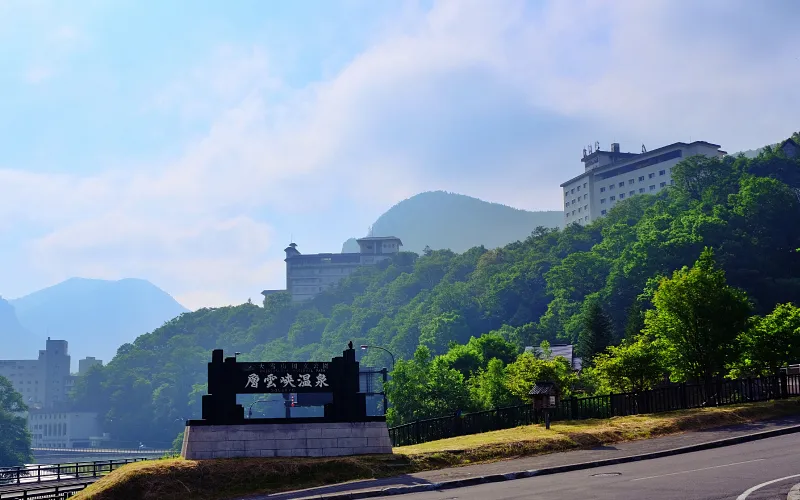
[[543, 288]]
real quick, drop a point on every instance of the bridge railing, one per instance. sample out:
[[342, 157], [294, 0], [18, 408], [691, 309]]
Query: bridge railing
[[60, 472], [56, 492], [101, 451]]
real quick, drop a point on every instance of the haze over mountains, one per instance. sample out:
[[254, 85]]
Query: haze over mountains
[[440, 220], [95, 316]]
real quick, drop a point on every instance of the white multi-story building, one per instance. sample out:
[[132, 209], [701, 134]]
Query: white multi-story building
[[62, 429], [611, 176], [311, 274], [43, 382]]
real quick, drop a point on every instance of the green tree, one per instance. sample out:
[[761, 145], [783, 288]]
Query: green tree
[[443, 329], [772, 342], [596, 333], [635, 365], [424, 388], [635, 322], [15, 440], [528, 369], [488, 388], [698, 316]]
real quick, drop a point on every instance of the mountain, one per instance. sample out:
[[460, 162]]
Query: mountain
[[442, 220], [95, 316], [15, 341]]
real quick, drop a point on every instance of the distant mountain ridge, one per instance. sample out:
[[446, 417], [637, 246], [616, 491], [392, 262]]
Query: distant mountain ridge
[[439, 219], [95, 316], [15, 341]]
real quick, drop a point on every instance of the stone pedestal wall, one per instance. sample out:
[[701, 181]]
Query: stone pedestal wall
[[285, 440]]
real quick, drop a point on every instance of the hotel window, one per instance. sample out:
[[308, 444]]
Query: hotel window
[[671, 182], [602, 189], [584, 185], [650, 176], [641, 178], [602, 201], [586, 218], [632, 193], [641, 190], [613, 198], [631, 181], [572, 191], [652, 187], [662, 172], [603, 212], [579, 209], [585, 196], [663, 184], [622, 184], [586, 207], [567, 214], [622, 196], [579, 189], [611, 187], [573, 212]]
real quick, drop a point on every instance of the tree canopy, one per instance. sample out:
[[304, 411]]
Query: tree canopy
[[15, 441]]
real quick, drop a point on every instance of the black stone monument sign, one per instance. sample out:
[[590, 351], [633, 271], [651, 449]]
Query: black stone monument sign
[[229, 377]]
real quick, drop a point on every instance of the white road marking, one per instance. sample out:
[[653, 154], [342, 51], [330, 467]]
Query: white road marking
[[695, 470], [744, 495]]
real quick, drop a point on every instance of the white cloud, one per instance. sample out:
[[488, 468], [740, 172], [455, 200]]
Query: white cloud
[[428, 106], [38, 74]]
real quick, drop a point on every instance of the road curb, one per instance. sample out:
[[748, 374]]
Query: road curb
[[510, 476]]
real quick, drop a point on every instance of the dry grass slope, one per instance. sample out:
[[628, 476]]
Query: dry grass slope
[[173, 479]]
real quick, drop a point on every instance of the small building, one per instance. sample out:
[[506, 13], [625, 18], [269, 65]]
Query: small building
[[566, 351], [308, 275], [545, 395]]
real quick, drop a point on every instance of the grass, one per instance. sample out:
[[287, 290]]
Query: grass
[[176, 478]]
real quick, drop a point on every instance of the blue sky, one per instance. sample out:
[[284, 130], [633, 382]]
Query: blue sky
[[183, 142]]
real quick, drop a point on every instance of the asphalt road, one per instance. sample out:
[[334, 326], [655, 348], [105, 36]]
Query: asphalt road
[[726, 473]]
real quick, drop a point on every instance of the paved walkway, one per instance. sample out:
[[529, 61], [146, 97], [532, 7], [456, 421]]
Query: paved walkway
[[537, 462]]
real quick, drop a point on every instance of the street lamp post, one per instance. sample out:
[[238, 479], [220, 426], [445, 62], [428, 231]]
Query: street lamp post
[[250, 409], [364, 348]]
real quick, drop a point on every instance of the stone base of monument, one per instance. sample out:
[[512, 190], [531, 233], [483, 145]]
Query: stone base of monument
[[312, 439]]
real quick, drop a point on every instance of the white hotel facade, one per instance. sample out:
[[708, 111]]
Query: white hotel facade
[[611, 176]]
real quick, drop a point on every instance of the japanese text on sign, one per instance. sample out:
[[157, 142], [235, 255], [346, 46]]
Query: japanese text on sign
[[283, 377]]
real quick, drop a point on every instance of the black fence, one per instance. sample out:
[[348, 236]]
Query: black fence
[[37, 474], [670, 398], [57, 492]]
